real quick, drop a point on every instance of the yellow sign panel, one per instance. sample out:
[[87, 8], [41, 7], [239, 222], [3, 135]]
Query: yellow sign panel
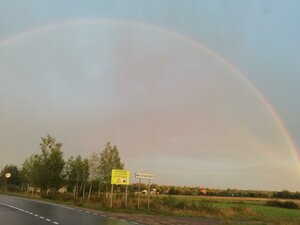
[[120, 177]]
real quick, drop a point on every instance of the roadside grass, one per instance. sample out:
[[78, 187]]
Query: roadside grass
[[228, 210]]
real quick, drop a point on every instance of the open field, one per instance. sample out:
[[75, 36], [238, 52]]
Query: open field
[[238, 209], [190, 209]]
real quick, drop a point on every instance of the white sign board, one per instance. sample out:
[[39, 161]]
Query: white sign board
[[148, 176]]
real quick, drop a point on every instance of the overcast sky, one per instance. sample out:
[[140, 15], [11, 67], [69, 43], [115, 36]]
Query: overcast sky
[[142, 75]]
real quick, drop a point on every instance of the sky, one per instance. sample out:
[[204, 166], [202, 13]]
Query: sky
[[200, 93]]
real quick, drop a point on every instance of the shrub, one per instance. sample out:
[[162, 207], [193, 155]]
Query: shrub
[[173, 202], [208, 207], [286, 204]]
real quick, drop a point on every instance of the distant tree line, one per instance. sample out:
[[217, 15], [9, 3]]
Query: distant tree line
[[48, 172], [287, 194]]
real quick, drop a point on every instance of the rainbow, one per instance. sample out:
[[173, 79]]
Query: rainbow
[[275, 116]]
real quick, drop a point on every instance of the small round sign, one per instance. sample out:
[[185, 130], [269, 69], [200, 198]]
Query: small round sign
[[8, 175]]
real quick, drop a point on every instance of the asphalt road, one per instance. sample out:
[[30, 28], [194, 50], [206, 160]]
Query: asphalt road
[[20, 211]]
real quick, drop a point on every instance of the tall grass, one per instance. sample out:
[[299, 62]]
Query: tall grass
[[170, 205]]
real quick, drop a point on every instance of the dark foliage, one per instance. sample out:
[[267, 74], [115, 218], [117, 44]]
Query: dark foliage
[[285, 204]]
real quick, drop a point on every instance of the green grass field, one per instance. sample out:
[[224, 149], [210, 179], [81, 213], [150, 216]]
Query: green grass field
[[245, 210]]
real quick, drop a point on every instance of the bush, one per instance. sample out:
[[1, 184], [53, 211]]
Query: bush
[[286, 204], [207, 207], [173, 202], [13, 188]]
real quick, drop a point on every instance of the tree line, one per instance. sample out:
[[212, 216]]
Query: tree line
[[48, 171]]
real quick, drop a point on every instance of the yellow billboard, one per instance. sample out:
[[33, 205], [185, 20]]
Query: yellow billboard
[[120, 177]]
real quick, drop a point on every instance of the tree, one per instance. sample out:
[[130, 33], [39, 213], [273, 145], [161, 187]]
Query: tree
[[76, 173], [11, 183], [94, 162], [70, 174], [85, 174], [73, 173], [109, 159], [48, 166], [26, 172]]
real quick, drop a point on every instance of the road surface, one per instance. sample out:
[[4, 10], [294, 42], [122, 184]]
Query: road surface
[[21, 211]]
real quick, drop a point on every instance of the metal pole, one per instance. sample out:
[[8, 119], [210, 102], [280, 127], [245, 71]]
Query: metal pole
[[148, 194], [126, 196], [139, 195], [111, 195]]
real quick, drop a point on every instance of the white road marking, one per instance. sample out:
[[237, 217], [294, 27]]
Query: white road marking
[[22, 210], [54, 222], [10, 206], [43, 202]]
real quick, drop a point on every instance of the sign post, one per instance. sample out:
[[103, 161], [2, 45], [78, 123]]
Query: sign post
[[111, 195], [149, 177], [119, 177], [149, 193], [139, 196], [126, 193]]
